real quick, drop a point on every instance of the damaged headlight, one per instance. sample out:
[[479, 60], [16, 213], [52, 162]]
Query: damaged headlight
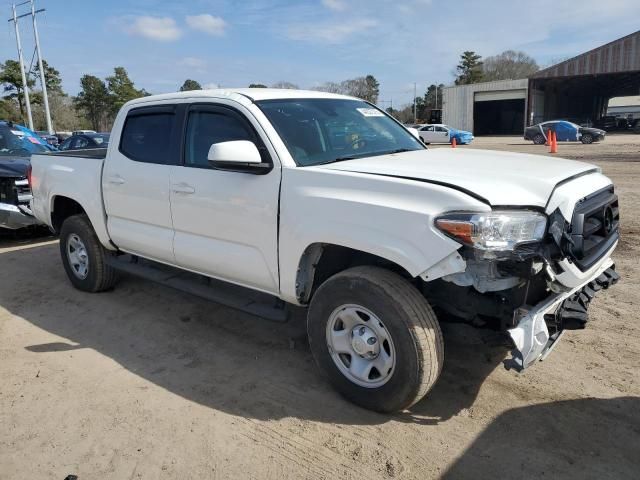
[[496, 231]]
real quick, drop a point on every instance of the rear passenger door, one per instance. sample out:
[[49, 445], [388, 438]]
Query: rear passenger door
[[135, 181], [225, 222]]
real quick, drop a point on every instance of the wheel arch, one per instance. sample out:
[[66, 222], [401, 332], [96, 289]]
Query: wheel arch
[[62, 207], [320, 261]]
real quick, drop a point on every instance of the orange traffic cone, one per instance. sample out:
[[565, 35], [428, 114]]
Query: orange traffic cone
[[453, 142], [554, 143]]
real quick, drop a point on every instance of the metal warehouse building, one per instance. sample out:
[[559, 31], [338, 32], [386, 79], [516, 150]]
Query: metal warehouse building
[[578, 89], [490, 108]]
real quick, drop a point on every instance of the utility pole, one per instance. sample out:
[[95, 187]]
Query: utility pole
[[415, 109], [25, 87], [43, 80], [436, 96]]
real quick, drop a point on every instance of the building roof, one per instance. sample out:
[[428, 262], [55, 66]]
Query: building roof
[[622, 55]]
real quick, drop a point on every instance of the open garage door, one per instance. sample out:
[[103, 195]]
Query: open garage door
[[495, 115]]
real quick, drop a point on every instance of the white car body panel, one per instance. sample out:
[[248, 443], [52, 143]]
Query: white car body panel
[[388, 217], [477, 171]]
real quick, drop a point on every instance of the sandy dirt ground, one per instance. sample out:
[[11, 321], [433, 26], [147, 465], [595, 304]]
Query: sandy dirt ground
[[145, 382]]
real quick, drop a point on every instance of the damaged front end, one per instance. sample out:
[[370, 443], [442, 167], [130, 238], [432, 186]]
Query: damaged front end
[[538, 328], [529, 281]]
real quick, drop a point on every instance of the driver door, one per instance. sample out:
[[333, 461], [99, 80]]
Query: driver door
[[225, 222]]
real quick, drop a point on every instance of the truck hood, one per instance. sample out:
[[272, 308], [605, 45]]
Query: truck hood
[[495, 177], [13, 166]]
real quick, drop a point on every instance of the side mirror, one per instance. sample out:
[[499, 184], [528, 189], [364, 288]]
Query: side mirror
[[237, 156], [414, 132]]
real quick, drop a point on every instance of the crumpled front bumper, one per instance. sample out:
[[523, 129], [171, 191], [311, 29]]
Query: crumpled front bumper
[[540, 327], [14, 217]]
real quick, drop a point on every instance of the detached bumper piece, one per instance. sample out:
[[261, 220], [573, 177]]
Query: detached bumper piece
[[14, 217], [539, 328], [572, 314]]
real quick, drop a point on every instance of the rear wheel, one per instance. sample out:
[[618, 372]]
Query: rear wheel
[[539, 139], [84, 257], [376, 338], [587, 138]]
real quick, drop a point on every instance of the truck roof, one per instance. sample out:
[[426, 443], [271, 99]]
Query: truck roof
[[250, 93]]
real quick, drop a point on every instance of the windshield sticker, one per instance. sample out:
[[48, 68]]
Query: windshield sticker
[[33, 140], [370, 112]]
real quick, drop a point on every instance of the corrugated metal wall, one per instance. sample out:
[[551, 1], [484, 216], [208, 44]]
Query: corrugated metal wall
[[457, 102], [622, 55]]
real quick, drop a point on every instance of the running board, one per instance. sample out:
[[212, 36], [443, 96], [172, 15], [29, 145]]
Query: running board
[[244, 299]]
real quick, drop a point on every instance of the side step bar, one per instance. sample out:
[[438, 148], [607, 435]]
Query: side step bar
[[244, 299]]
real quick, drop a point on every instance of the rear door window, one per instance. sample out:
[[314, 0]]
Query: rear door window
[[149, 135]]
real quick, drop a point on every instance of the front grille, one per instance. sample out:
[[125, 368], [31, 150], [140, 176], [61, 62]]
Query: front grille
[[15, 191], [594, 227]]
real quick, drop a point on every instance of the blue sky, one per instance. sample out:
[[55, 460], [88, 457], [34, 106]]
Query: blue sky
[[234, 43]]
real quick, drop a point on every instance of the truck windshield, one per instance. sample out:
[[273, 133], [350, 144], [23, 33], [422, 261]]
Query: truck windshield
[[322, 130]]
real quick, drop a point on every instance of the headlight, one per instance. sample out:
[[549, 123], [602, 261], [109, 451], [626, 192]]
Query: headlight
[[494, 231]]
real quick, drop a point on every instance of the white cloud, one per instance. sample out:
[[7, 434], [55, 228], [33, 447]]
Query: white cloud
[[207, 23], [210, 86], [163, 29], [337, 5], [331, 32]]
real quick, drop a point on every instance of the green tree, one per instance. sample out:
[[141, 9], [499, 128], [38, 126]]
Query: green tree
[[94, 101], [432, 101], [372, 88], [52, 76], [257, 85], [9, 110], [122, 89], [11, 80], [469, 69], [190, 85]]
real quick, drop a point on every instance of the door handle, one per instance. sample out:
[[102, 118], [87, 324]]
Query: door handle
[[182, 188], [116, 180]]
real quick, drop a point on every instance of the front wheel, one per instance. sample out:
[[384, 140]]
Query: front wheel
[[587, 138], [539, 139], [84, 257], [376, 338]]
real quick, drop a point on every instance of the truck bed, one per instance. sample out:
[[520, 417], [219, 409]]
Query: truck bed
[[74, 175]]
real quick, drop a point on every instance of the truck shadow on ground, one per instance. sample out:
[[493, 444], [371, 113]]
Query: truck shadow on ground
[[588, 439], [213, 355]]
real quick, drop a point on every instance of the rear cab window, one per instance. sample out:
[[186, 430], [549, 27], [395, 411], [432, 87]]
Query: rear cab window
[[150, 135]]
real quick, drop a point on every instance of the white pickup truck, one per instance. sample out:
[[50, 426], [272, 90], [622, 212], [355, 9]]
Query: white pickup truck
[[263, 199]]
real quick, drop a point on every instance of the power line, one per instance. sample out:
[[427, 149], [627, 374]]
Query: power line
[[25, 86]]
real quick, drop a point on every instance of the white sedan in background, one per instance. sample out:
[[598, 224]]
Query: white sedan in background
[[439, 133]]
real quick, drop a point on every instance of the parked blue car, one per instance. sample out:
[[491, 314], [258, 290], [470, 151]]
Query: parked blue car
[[565, 132], [17, 143], [440, 133]]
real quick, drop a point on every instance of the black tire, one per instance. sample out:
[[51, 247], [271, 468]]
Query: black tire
[[539, 139], [100, 276], [587, 138], [407, 317]]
